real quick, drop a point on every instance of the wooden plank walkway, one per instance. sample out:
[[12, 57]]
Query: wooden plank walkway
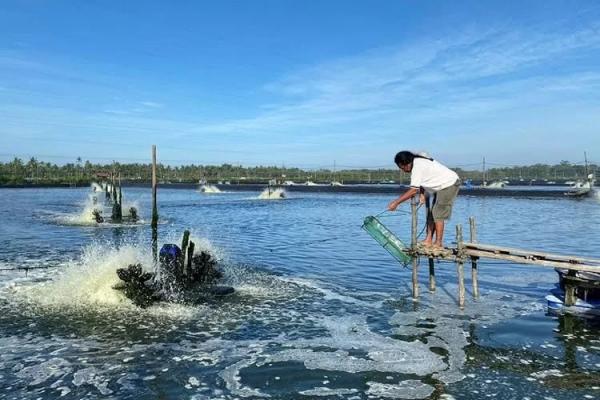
[[531, 257], [473, 251]]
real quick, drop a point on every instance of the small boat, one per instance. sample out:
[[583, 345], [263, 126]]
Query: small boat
[[556, 302], [336, 183], [587, 293]]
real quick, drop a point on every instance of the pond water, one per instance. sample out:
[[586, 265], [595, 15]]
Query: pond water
[[320, 310]]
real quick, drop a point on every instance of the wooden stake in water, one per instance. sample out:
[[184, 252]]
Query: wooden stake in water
[[120, 198], [570, 289], [473, 239], [413, 241], [154, 223], [459, 266], [431, 275]]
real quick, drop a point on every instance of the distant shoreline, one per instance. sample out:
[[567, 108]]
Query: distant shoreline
[[509, 191]]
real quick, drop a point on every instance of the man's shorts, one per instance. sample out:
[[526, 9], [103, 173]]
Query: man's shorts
[[443, 202]]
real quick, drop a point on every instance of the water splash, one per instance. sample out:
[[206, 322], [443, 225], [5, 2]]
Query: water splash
[[273, 194], [209, 189], [87, 281], [95, 202]]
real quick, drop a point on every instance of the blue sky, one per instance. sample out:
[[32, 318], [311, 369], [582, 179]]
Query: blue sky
[[300, 83]]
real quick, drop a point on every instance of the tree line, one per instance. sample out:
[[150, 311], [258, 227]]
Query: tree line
[[35, 172]]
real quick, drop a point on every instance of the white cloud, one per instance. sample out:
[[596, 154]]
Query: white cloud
[[438, 85], [151, 104]]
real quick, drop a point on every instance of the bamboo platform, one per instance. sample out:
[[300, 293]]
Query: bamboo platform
[[472, 251]]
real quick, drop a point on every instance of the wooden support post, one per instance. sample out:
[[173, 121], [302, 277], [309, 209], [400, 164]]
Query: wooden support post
[[154, 207], [473, 239], [115, 216], [459, 266], [431, 275], [120, 198], [570, 297], [431, 260], [415, 266], [113, 191]]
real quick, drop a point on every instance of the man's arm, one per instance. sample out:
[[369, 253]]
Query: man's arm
[[405, 196]]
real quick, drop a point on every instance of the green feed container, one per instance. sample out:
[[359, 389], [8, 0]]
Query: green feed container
[[386, 239]]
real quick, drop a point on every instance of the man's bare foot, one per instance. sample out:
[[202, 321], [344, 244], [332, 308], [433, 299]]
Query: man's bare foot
[[426, 243], [437, 245]]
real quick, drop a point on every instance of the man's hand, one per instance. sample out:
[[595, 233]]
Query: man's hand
[[422, 199], [393, 205]]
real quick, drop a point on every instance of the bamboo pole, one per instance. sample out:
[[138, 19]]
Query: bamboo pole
[[415, 261], [531, 254], [112, 185], [459, 266], [429, 220], [119, 203], [530, 261], [473, 239], [154, 207]]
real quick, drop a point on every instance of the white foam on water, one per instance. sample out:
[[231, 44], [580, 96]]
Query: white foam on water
[[331, 294], [337, 350], [332, 353], [546, 373], [383, 354], [40, 373], [272, 194], [325, 391], [232, 379], [26, 358], [92, 376], [410, 389]]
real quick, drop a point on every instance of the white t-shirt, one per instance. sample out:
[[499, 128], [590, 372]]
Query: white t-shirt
[[431, 175]]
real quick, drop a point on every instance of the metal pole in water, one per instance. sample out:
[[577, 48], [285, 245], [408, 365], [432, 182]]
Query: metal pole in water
[[473, 239], [154, 207], [415, 266]]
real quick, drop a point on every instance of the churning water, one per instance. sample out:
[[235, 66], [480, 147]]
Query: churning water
[[319, 311]]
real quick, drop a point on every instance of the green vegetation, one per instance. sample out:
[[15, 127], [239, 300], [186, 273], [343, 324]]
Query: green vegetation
[[34, 172]]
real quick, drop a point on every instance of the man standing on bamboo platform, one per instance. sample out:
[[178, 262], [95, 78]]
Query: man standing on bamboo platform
[[431, 177]]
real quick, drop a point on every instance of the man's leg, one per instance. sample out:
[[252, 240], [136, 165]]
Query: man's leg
[[439, 233], [430, 224]]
